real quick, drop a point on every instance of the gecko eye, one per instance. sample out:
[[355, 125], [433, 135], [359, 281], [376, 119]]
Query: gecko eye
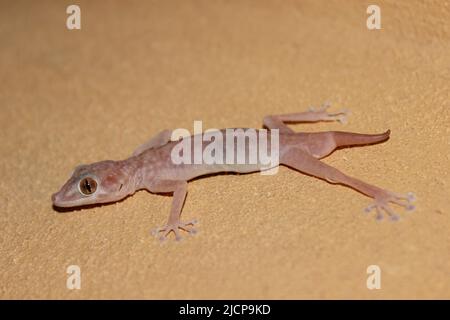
[[87, 186]]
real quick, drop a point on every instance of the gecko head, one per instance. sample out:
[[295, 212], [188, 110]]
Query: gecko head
[[98, 182]]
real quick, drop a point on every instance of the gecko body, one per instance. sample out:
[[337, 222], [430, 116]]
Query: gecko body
[[151, 167]]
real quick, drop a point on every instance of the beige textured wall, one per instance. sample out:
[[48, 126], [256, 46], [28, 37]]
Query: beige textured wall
[[71, 97]]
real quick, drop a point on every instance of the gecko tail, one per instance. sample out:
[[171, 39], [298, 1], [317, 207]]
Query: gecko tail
[[344, 139]]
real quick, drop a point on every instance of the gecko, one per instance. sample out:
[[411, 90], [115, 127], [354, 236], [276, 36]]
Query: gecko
[[151, 168]]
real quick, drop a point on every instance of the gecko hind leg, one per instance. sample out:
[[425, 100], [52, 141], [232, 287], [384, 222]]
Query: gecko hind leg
[[323, 115], [381, 204], [313, 115], [306, 163]]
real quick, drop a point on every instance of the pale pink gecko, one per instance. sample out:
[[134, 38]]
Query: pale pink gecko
[[150, 167]]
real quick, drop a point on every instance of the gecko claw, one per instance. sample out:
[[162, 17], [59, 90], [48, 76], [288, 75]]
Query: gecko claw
[[342, 117], [379, 216], [411, 196], [381, 204], [163, 232]]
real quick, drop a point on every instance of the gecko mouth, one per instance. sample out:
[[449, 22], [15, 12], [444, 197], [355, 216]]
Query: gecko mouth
[[57, 202], [54, 199]]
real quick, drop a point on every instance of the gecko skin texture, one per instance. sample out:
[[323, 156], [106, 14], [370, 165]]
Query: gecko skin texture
[[151, 168]]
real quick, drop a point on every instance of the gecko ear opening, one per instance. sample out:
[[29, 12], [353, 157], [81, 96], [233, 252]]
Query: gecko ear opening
[[87, 186]]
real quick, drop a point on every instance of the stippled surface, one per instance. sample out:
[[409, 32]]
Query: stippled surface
[[72, 97]]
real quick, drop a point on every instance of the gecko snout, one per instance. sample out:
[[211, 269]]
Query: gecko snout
[[55, 199]]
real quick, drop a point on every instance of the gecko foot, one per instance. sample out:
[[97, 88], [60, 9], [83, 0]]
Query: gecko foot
[[381, 204], [163, 232], [340, 116]]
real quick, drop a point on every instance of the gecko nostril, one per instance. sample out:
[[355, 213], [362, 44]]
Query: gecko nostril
[[54, 197]]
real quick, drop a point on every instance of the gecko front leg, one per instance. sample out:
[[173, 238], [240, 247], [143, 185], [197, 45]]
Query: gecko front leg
[[179, 190], [157, 141]]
